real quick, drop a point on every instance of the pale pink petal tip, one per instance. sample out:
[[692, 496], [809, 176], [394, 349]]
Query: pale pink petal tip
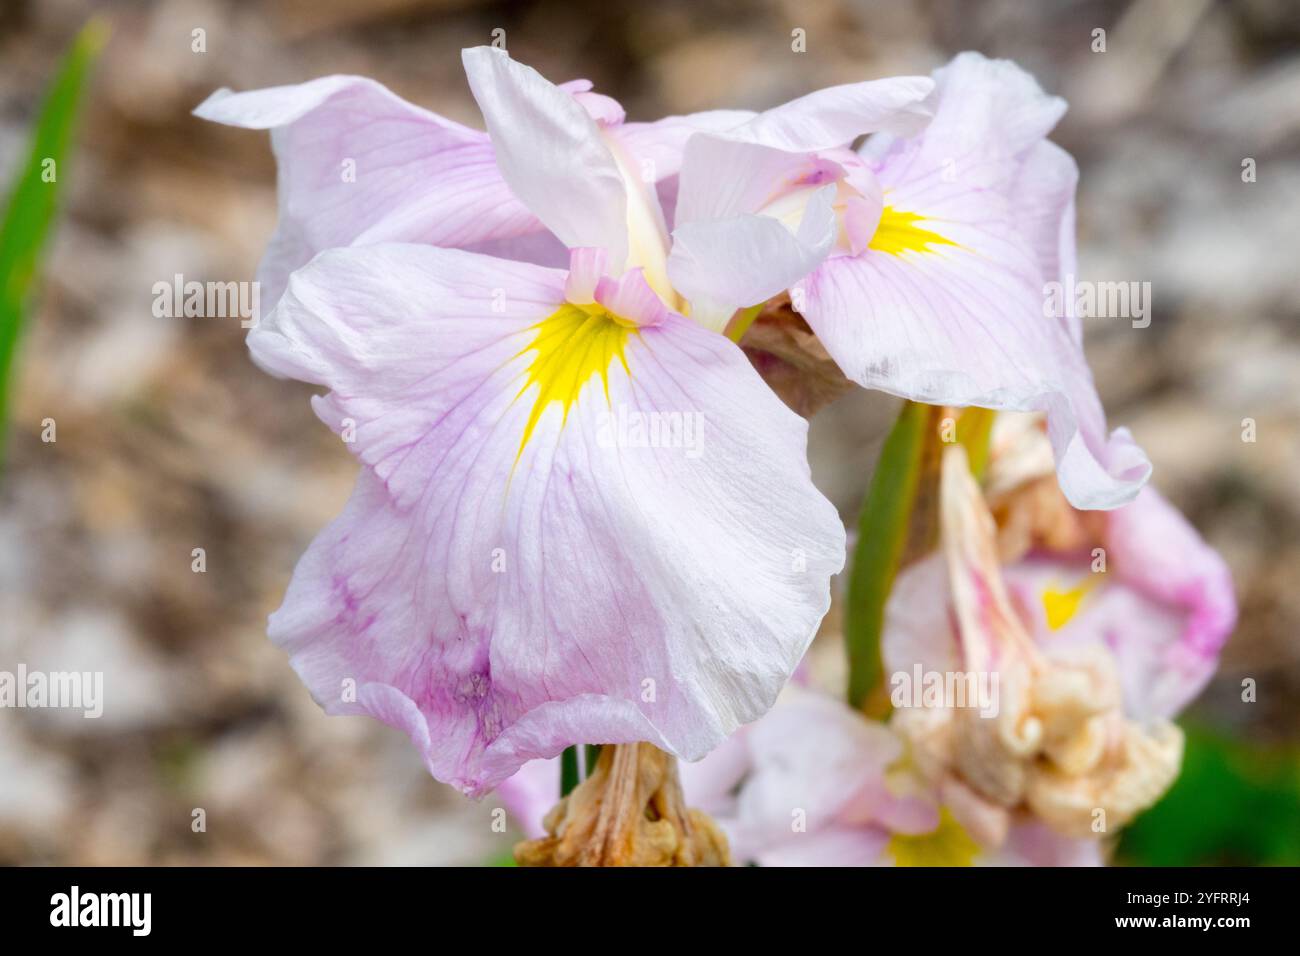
[[605, 110], [630, 297]]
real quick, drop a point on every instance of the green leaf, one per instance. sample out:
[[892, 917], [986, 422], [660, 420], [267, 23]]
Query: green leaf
[[898, 524], [884, 529], [33, 199], [569, 776]]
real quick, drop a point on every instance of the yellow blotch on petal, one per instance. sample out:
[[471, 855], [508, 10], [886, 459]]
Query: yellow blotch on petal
[[947, 845], [1061, 606], [571, 345], [898, 232]]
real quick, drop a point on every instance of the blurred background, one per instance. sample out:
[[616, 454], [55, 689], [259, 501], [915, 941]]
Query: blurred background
[[168, 438]]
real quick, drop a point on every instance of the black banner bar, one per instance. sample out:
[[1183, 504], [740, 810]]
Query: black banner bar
[[338, 906]]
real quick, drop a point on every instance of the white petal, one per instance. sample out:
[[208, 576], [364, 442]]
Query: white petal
[[500, 598], [551, 152]]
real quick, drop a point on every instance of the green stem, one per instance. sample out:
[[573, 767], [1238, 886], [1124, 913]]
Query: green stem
[[740, 324], [569, 776], [882, 537]]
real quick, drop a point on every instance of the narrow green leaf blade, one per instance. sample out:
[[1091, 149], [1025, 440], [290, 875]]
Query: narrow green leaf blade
[[883, 533], [33, 199], [569, 775]]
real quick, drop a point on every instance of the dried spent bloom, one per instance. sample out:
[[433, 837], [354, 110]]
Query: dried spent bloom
[[629, 812], [1059, 742], [1090, 664], [814, 783]]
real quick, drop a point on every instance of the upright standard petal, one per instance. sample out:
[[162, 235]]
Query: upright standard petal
[[761, 205], [550, 151], [357, 164], [947, 303], [577, 521], [725, 256]]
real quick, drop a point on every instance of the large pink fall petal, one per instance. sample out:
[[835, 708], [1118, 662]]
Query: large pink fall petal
[[1156, 550], [956, 328], [501, 598], [358, 164], [550, 151], [947, 304], [1043, 206], [1164, 607]]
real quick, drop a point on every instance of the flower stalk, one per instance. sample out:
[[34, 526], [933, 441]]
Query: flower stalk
[[630, 811]]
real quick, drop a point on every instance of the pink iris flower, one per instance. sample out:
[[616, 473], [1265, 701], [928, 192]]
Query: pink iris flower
[[517, 571], [928, 276]]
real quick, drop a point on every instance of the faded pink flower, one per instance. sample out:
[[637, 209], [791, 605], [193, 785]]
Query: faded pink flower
[[1095, 647]]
